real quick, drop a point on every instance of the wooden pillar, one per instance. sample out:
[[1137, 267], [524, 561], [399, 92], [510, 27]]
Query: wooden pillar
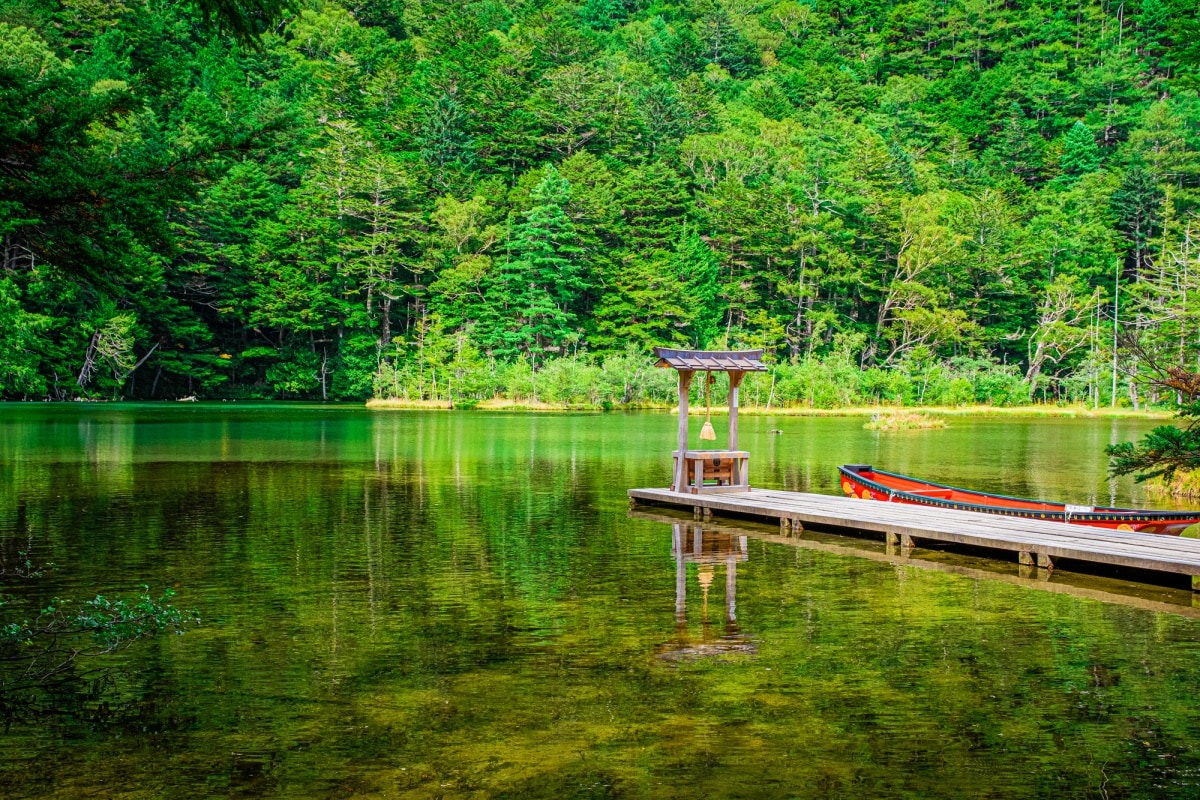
[[735, 381], [685, 383], [680, 576], [1025, 558], [1044, 561], [730, 590]]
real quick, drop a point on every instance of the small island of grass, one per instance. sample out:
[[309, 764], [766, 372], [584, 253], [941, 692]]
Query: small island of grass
[[903, 421]]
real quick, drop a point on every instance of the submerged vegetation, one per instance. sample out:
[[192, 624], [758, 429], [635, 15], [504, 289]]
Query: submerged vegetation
[[42, 650], [955, 202]]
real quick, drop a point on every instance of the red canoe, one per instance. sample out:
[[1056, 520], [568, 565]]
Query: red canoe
[[862, 481]]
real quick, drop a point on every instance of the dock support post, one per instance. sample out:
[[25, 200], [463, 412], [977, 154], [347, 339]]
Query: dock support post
[[697, 511], [906, 541], [1025, 558], [1044, 561], [706, 512], [1196, 583], [892, 539], [685, 383], [633, 503]]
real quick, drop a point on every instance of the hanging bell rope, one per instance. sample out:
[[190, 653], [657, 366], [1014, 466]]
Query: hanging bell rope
[[707, 434]]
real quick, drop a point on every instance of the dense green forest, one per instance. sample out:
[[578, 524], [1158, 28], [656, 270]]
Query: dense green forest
[[927, 201]]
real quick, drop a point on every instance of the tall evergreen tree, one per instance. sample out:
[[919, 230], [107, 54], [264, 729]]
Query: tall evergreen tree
[[698, 268], [1138, 205], [533, 300], [1081, 154], [444, 140], [653, 203]]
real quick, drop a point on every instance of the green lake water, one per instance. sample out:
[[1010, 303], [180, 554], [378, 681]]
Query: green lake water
[[461, 604]]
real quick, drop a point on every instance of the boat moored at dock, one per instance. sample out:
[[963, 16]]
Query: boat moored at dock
[[864, 482]]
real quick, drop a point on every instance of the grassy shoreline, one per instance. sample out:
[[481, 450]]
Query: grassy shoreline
[[1067, 412]]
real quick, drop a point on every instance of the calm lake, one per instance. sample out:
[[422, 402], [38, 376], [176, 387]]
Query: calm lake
[[461, 604]]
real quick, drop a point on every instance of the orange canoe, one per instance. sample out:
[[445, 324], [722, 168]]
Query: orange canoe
[[867, 483]]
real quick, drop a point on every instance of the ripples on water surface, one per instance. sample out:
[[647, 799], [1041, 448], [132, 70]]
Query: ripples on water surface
[[460, 605]]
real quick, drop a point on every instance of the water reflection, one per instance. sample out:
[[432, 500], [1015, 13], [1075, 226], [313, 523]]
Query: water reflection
[[1171, 595], [459, 605], [708, 550]]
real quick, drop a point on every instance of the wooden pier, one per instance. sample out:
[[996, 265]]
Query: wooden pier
[[1033, 543]]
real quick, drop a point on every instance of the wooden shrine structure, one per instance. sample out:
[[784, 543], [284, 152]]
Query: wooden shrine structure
[[710, 471]]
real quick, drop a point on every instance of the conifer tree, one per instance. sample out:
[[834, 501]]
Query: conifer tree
[[1019, 149], [698, 269], [445, 142], [534, 297], [645, 304], [1138, 204], [602, 15], [653, 204], [1080, 154], [722, 42]]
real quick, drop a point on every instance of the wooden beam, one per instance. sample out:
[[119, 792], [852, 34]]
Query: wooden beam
[[735, 381], [685, 383]]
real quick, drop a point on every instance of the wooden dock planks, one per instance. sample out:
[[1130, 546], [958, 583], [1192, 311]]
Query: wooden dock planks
[[1029, 539]]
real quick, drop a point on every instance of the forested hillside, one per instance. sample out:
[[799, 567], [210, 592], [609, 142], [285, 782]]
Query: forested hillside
[[411, 198]]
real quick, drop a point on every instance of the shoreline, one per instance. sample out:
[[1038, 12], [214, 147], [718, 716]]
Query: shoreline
[[1048, 411]]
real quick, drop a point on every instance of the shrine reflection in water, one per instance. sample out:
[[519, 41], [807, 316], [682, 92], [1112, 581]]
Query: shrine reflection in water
[[709, 550]]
